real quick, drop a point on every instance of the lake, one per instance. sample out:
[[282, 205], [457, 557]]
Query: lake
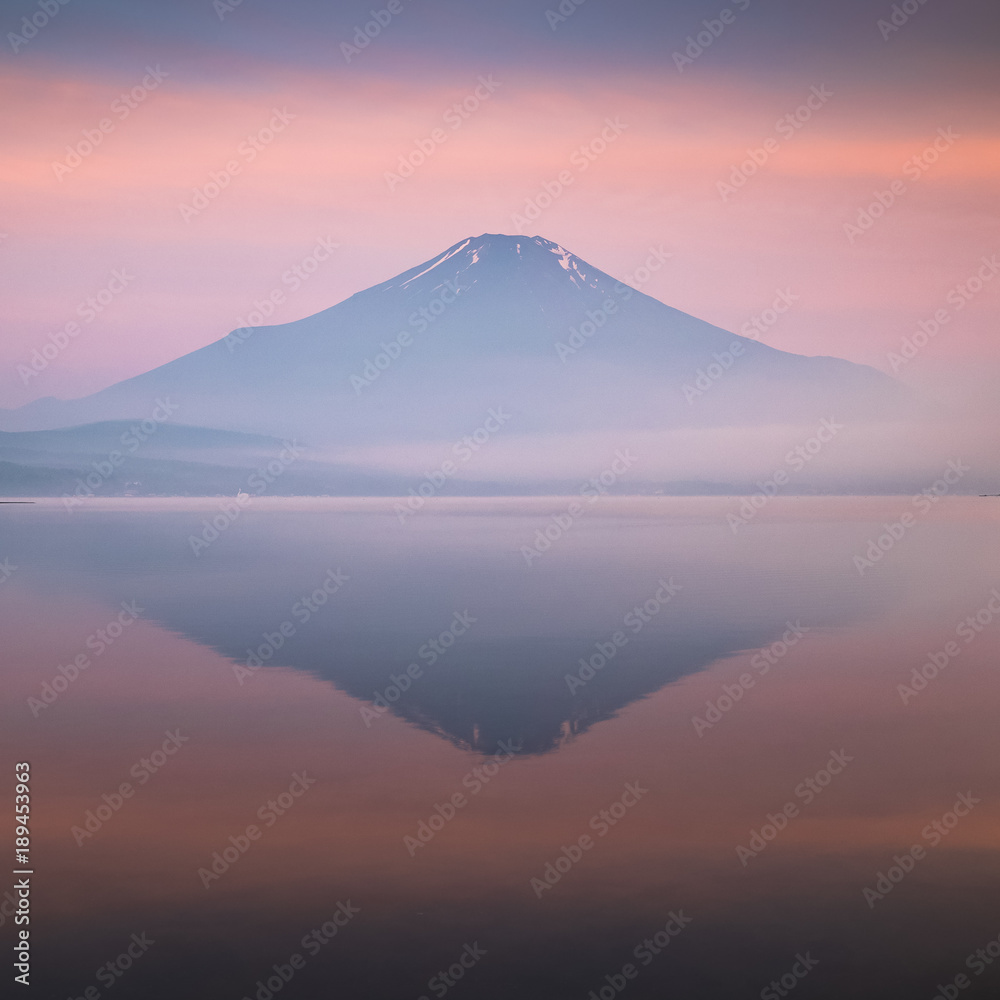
[[659, 747]]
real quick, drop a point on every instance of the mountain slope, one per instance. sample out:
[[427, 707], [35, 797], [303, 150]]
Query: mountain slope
[[510, 321]]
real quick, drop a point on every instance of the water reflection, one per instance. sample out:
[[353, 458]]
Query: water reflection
[[448, 626], [504, 679]]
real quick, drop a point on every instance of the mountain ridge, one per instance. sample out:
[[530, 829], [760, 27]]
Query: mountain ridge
[[492, 320]]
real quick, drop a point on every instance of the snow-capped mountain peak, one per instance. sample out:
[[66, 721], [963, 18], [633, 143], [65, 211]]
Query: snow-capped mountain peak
[[499, 252]]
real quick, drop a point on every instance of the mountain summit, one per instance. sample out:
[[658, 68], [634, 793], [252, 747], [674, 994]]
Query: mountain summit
[[516, 322], [497, 255]]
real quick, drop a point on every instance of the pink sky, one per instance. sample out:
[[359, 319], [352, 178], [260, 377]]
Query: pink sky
[[323, 176]]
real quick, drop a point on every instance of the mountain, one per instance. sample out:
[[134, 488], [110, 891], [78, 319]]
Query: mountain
[[509, 322]]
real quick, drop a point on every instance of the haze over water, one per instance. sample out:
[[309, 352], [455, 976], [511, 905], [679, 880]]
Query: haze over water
[[738, 717]]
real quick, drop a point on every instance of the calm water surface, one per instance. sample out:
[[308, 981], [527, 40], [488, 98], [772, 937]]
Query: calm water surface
[[659, 758]]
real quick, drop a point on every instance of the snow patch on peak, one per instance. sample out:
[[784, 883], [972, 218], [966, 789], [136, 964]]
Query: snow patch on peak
[[439, 261], [571, 265], [493, 249], [565, 257]]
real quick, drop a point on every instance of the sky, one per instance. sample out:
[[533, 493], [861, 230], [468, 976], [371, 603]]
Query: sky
[[171, 164]]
